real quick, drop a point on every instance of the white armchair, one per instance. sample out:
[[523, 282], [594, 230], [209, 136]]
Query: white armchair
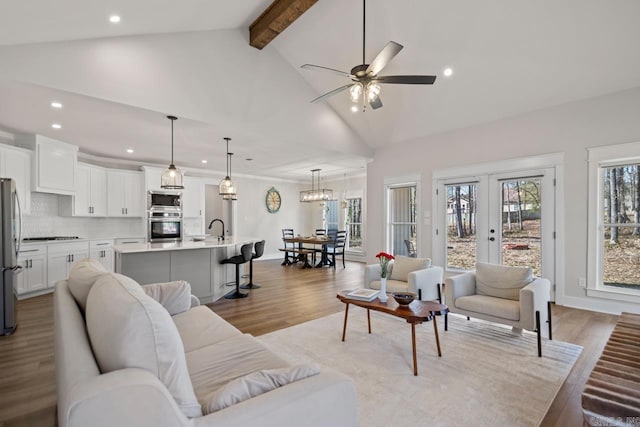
[[501, 294], [406, 274]]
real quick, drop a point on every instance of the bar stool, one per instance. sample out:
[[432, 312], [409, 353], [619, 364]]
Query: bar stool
[[243, 258], [259, 250]]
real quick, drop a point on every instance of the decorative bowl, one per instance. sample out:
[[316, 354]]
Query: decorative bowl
[[404, 298]]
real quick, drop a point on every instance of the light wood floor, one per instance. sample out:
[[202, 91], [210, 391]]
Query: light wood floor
[[288, 296]]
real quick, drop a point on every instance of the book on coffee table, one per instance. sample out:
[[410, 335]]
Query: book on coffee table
[[362, 294]]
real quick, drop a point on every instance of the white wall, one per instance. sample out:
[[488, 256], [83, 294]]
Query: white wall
[[569, 128]]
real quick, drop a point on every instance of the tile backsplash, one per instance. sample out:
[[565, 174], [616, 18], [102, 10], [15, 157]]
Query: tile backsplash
[[45, 220]]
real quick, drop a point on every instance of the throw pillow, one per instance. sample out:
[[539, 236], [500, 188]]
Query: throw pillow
[[403, 265], [174, 296], [502, 281], [256, 383], [129, 329], [82, 276]]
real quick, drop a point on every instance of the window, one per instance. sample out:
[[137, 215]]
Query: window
[[402, 219], [331, 215], [614, 222], [354, 224]]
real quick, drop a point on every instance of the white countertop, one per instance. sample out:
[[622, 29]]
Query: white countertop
[[209, 243]]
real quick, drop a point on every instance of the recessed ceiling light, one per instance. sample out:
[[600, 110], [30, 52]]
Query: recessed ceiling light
[[447, 72], [129, 150], [204, 161], [56, 105], [114, 19], [56, 126], [354, 108]]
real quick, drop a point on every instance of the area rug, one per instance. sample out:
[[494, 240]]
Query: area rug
[[486, 376]]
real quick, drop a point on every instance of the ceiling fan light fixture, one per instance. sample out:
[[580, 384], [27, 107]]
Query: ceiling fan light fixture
[[373, 90], [172, 178], [356, 91]]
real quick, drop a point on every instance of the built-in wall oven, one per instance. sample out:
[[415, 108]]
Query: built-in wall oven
[[164, 226], [164, 216]]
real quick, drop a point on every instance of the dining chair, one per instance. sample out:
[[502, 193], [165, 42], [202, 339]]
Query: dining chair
[[336, 247], [287, 233]]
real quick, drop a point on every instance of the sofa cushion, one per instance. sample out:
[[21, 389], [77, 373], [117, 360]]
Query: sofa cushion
[[392, 285], [200, 327], [404, 265], [497, 307], [129, 329], [82, 276], [174, 296], [501, 281], [213, 366], [256, 383]]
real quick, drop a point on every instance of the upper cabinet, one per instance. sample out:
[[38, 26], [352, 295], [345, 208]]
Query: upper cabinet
[[126, 195], [193, 197], [53, 166], [91, 191], [15, 163]]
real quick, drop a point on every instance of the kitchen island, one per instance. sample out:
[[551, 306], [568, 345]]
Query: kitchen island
[[197, 262]]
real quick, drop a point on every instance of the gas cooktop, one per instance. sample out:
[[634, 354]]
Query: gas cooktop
[[44, 239]]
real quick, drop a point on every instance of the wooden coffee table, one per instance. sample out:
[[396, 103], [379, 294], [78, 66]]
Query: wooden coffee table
[[415, 313]]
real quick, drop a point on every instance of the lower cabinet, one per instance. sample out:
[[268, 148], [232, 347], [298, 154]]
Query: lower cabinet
[[102, 251], [33, 276], [60, 259]]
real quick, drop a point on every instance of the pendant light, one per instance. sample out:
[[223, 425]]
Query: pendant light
[[226, 186], [172, 177], [231, 197], [316, 194]]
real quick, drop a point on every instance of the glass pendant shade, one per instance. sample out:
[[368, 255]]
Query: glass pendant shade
[[172, 178], [316, 194], [226, 186]]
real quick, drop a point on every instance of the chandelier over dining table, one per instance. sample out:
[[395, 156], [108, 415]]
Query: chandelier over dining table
[[316, 194]]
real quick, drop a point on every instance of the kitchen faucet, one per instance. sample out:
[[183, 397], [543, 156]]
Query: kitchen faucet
[[221, 222]]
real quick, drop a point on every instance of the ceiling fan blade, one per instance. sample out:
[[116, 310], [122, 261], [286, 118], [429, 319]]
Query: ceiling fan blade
[[321, 68], [333, 92], [407, 80], [387, 53], [375, 103]]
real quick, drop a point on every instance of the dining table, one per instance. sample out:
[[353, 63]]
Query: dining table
[[323, 241]]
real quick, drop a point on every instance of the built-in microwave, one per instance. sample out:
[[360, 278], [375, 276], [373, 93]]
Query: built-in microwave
[[164, 201], [164, 227]]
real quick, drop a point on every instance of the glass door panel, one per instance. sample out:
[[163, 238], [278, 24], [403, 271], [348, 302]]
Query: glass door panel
[[461, 227], [402, 219]]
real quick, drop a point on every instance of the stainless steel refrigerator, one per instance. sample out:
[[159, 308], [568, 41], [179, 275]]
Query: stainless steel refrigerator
[[10, 236]]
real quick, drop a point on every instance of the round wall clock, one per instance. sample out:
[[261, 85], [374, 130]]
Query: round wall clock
[[273, 200]]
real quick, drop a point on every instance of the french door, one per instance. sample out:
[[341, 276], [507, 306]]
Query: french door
[[502, 218]]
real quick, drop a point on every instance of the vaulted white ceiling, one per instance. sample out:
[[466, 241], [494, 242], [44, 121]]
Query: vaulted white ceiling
[[192, 59]]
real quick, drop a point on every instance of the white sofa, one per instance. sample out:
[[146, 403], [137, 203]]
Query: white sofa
[[408, 274], [502, 294], [204, 358]]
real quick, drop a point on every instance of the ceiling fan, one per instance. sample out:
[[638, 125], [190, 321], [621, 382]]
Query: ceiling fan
[[365, 80]]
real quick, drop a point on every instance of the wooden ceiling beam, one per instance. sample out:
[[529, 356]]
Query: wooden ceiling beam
[[275, 19]]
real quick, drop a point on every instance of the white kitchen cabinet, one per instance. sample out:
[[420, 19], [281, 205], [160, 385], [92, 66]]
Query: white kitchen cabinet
[[193, 197], [102, 251], [125, 192], [33, 277], [60, 259], [91, 191], [152, 178], [15, 163], [130, 240], [53, 164]]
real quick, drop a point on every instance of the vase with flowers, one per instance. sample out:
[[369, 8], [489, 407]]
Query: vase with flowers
[[384, 259]]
